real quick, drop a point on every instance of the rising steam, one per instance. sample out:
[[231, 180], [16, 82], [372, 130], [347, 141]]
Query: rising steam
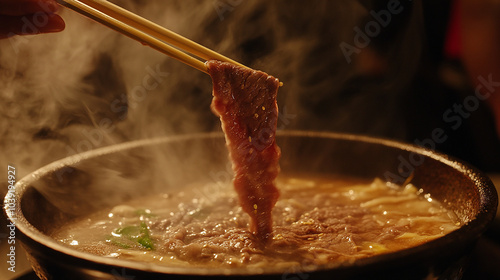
[[89, 87]]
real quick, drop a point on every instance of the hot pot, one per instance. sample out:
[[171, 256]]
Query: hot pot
[[87, 182]]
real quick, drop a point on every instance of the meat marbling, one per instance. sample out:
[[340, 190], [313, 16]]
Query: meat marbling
[[245, 101]]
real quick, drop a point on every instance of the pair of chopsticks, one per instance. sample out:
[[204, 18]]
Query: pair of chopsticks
[[146, 32]]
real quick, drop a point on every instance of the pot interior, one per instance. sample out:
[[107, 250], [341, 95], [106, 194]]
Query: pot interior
[[87, 183]]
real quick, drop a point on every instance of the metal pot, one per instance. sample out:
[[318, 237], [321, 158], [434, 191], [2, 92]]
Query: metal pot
[[83, 183]]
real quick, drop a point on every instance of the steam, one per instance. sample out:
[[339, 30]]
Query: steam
[[90, 87]]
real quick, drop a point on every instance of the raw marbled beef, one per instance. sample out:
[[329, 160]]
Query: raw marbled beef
[[245, 101]]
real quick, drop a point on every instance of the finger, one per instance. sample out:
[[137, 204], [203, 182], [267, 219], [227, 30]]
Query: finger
[[30, 25], [27, 7]]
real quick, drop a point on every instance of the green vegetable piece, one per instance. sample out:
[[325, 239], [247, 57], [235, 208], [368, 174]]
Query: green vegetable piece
[[146, 242], [144, 239], [129, 231], [130, 235], [117, 241]]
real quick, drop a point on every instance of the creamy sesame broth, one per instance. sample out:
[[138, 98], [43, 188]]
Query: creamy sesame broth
[[316, 221]]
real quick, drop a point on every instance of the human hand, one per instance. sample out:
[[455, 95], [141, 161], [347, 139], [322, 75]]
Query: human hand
[[25, 17]]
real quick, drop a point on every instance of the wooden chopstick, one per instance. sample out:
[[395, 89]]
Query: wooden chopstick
[[146, 32]]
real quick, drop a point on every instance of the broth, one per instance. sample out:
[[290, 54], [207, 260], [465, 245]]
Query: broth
[[317, 220]]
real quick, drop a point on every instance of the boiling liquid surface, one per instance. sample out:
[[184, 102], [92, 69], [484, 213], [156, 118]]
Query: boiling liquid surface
[[316, 221]]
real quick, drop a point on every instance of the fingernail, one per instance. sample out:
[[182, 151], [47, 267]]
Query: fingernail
[[55, 24]]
